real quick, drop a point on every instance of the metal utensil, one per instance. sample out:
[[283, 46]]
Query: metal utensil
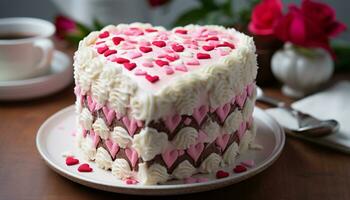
[[307, 125]]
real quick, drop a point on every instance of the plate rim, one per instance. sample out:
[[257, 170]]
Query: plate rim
[[160, 189]]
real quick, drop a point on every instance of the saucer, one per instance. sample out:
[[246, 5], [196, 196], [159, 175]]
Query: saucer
[[60, 75]]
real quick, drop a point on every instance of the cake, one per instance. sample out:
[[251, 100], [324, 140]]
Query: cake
[[155, 105]]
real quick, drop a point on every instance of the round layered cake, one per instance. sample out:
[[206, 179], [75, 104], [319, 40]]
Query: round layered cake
[[155, 104]]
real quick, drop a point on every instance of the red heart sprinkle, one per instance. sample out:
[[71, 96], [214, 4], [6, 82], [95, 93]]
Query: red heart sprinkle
[[121, 60], [109, 52], [104, 34], [178, 47], [203, 56], [151, 30], [208, 48], [239, 169], [159, 43], [70, 160], [171, 58], [146, 49], [101, 50], [161, 63], [152, 79], [181, 31], [117, 40], [84, 168], [212, 38], [226, 44], [221, 174], [129, 66]]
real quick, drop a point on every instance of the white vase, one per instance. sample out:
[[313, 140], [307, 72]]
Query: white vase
[[301, 70]]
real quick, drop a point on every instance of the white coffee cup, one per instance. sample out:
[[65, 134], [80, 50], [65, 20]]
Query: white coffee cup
[[25, 47]]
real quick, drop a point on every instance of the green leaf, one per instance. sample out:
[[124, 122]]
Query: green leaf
[[84, 30], [97, 25], [226, 7], [191, 16], [74, 39], [209, 4]]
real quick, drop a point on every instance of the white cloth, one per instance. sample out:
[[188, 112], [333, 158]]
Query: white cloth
[[333, 103]]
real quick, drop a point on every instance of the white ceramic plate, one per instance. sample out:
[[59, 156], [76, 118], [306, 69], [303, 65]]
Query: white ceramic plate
[[55, 137], [60, 75]]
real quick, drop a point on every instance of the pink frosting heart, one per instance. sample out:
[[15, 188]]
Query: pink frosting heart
[[132, 156], [240, 99], [200, 113], [250, 89], [91, 103], [131, 125], [241, 130], [113, 148], [222, 141], [170, 157], [109, 114], [223, 111], [95, 137], [172, 122], [202, 137], [194, 151]]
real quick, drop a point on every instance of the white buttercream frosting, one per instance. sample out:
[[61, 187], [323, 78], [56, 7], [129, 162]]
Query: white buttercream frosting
[[247, 139], [154, 174], [103, 159], [149, 143], [121, 168], [212, 130], [101, 128], [184, 170], [85, 119], [121, 136], [248, 109], [230, 154], [88, 148], [185, 137], [233, 121], [211, 163]]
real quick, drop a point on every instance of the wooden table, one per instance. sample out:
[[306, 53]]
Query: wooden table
[[303, 171]]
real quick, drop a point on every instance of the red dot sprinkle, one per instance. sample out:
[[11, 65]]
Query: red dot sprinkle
[[159, 43], [109, 52], [129, 66], [239, 169], [226, 44], [208, 48], [101, 50], [117, 40], [121, 60], [178, 47], [84, 168], [181, 31], [70, 160], [151, 30], [104, 34], [203, 56], [161, 63], [146, 49], [171, 58], [221, 174], [152, 79], [212, 38]]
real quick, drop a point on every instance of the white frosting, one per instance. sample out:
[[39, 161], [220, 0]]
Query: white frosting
[[149, 143], [185, 137], [184, 170], [78, 106], [101, 128], [156, 173], [88, 149], [248, 109], [121, 136], [119, 94], [121, 168], [211, 163], [233, 121], [247, 139], [212, 130], [99, 90], [230, 154], [85, 119], [103, 159]]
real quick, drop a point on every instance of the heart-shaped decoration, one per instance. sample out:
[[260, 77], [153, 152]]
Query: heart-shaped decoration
[[241, 130], [170, 156], [70, 160], [95, 138], [91, 103], [240, 99], [250, 89], [239, 169], [132, 156], [84, 168], [202, 137], [221, 174], [222, 141], [172, 122], [109, 114], [140, 72], [194, 151], [113, 148], [223, 111], [200, 113], [131, 125]]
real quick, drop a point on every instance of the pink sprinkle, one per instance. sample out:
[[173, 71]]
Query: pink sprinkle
[[171, 58], [187, 121], [182, 68], [147, 64], [128, 46], [203, 56], [159, 43], [208, 48], [178, 47], [130, 181], [117, 40], [151, 78], [134, 54], [168, 50], [248, 163], [121, 60], [102, 49], [213, 43], [161, 63], [212, 38], [109, 52], [192, 62], [100, 42], [140, 72], [223, 52], [226, 44], [187, 41], [145, 43], [145, 49], [129, 66], [181, 31], [151, 30], [168, 70], [104, 34]]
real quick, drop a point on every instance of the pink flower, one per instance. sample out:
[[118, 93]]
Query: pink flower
[[156, 3], [324, 16], [64, 26], [265, 16]]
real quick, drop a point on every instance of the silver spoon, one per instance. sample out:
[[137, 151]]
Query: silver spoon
[[307, 125]]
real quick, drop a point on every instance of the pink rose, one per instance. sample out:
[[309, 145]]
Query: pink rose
[[64, 26], [265, 16], [156, 3]]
